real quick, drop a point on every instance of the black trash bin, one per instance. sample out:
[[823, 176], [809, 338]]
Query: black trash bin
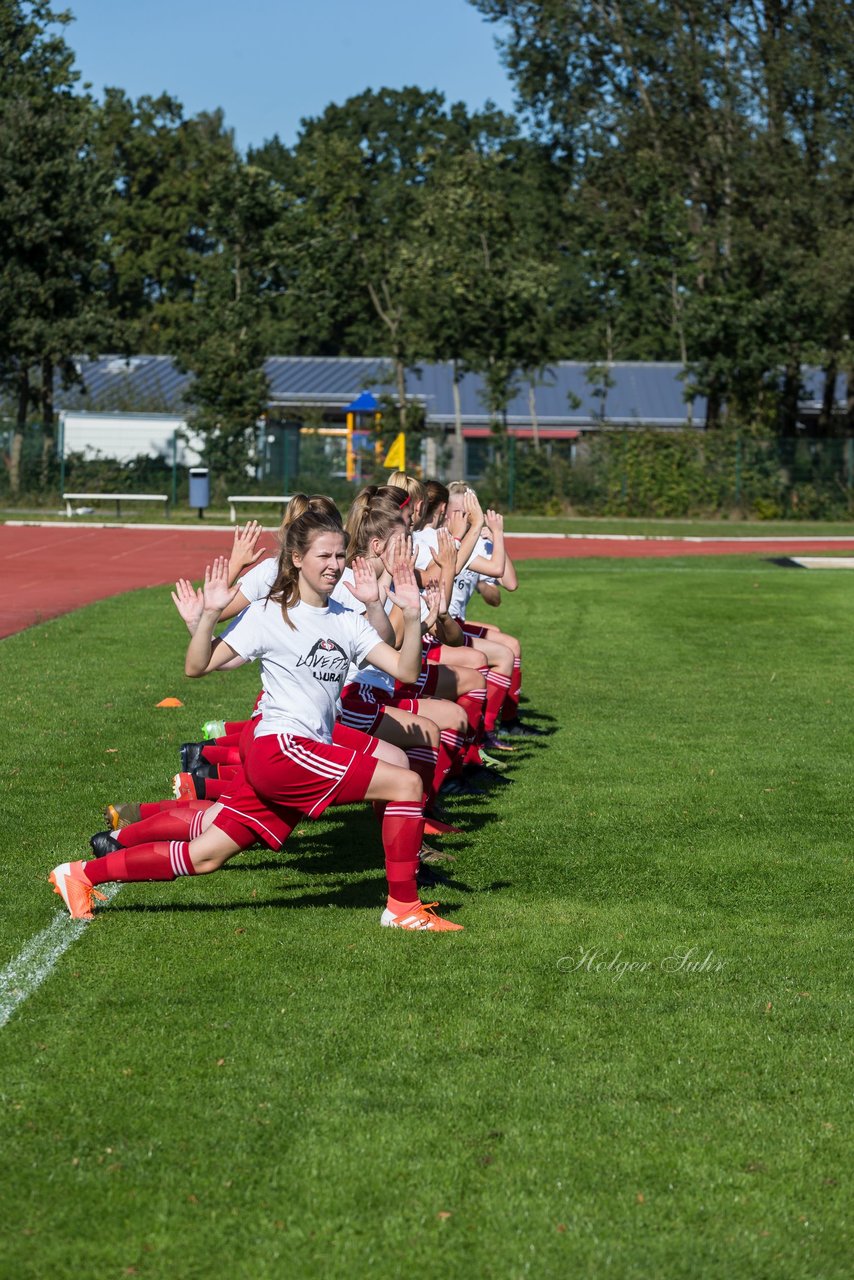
[[200, 489]]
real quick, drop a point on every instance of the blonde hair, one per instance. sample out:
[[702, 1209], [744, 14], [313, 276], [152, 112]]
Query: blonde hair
[[413, 486], [371, 517]]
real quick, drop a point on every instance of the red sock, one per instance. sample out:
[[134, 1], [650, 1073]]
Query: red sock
[[473, 703], [510, 710], [497, 685], [216, 787], [450, 752], [422, 760], [149, 809], [222, 754], [181, 822], [403, 831], [234, 728], [146, 862]]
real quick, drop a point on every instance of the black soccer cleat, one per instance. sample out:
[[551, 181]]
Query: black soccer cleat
[[103, 842], [191, 756]]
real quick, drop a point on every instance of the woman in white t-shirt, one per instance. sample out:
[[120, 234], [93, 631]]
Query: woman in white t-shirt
[[305, 643]]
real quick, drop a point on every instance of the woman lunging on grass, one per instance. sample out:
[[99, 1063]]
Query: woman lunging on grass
[[293, 769]]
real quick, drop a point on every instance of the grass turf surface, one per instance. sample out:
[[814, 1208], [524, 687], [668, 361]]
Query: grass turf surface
[[242, 1074]]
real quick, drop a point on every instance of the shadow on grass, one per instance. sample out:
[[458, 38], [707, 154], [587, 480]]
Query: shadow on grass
[[367, 894]]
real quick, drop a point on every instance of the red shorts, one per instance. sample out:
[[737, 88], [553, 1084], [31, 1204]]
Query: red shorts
[[423, 687], [472, 631], [433, 652], [288, 771], [288, 778], [346, 736], [363, 706]]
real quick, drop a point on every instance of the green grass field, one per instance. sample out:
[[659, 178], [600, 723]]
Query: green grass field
[[242, 1075]]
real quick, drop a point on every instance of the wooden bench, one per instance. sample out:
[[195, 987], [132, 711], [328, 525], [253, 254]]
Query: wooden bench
[[234, 498], [117, 498]]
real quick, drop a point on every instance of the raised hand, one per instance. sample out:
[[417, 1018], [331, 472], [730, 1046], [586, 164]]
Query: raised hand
[[494, 521], [217, 590], [456, 523], [189, 602], [364, 585], [445, 554], [433, 595], [473, 509], [408, 554], [245, 549], [405, 592], [391, 554]]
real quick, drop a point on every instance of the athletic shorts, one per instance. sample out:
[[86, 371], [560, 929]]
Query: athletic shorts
[[472, 631], [423, 687], [363, 706], [288, 771]]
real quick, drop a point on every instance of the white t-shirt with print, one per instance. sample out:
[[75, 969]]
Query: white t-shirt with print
[[366, 675], [304, 667], [425, 541], [465, 583]]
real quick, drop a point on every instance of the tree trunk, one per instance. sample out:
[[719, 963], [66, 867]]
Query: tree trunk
[[789, 398], [16, 452], [48, 420], [713, 406], [828, 397], [459, 452], [400, 371], [532, 406], [458, 411]]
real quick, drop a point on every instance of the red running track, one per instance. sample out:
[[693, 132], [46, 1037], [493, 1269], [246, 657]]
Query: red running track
[[48, 570]]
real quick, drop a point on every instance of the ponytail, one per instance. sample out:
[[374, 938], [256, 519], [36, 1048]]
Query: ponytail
[[377, 518], [299, 504], [435, 496]]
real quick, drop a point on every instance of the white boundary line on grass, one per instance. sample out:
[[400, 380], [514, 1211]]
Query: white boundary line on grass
[[794, 538], [596, 538], [25, 974]]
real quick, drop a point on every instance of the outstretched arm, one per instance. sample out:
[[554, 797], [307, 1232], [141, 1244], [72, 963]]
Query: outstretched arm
[[473, 513], [492, 566], [204, 653], [404, 664], [365, 589]]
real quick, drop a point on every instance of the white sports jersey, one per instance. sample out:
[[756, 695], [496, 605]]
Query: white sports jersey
[[367, 675], [302, 669], [465, 583], [257, 581], [425, 541]]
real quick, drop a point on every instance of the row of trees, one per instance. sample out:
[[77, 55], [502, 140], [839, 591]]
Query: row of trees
[[679, 186]]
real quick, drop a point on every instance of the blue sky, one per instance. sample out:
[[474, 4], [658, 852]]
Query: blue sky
[[268, 63]]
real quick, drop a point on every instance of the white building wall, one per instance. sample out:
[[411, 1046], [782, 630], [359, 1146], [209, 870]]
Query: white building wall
[[127, 435]]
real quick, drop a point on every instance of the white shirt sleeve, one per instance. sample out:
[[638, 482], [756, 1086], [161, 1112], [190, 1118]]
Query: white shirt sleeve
[[257, 581], [366, 639], [244, 635]]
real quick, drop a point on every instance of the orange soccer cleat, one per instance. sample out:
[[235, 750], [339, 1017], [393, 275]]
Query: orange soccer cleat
[[420, 918], [72, 884]]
